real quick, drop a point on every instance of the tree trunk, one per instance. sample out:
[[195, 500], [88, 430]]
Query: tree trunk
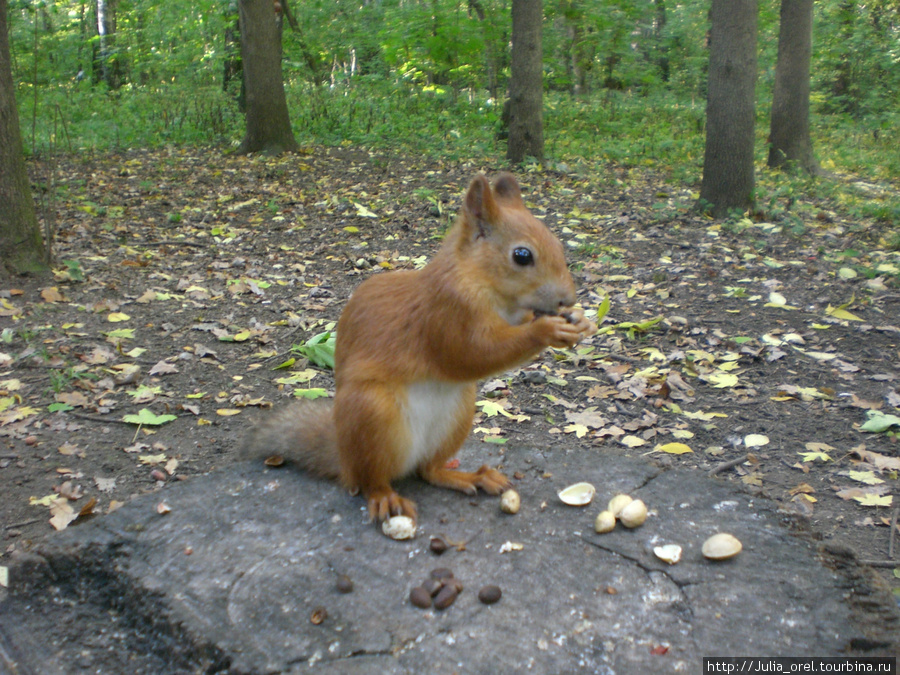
[[728, 175], [111, 67], [789, 135], [21, 248], [268, 123], [526, 86]]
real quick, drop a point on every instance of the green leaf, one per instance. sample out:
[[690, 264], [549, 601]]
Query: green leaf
[[59, 407], [121, 333], [319, 349], [603, 309], [314, 393], [148, 418], [878, 422]]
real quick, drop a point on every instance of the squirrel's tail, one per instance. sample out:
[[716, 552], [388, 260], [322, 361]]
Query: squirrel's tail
[[302, 433]]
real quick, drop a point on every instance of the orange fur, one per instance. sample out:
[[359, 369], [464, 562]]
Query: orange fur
[[411, 346]]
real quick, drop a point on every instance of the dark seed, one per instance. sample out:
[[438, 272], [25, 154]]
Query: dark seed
[[489, 594], [344, 584], [432, 586], [437, 545], [441, 573], [420, 597], [445, 597]]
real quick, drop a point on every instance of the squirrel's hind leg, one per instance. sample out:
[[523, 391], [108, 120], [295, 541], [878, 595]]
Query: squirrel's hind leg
[[435, 470], [373, 443]]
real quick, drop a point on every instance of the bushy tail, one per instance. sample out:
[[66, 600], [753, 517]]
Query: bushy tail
[[303, 433]]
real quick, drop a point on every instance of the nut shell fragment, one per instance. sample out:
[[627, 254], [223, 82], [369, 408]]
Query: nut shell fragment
[[721, 546], [670, 553], [579, 494], [634, 514], [509, 502], [605, 522], [617, 503], [399, 527]]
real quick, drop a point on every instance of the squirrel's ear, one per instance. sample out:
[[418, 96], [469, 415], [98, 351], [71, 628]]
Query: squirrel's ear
[[479, 206], [507, 189]]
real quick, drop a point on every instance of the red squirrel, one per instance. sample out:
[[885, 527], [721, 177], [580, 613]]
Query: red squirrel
[[411, 346]]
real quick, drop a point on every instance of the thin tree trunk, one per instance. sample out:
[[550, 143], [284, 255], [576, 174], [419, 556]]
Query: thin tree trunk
[[728, 173], [21, 248], [268, 122], [110, 60], [789, 135], [526, 87]]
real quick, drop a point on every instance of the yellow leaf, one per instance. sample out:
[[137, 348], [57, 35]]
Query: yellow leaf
[[867, 477], [117, 317], [682, 433], [152, 459], [578, 429], [227, 412], [840, 313], [243, 336], [673, 448], [632, 441], [755, 440], [721, 380], [821, 356], [875, 500]]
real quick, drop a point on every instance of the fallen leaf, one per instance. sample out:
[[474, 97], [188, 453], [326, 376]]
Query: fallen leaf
[[875, 500], [879, 461], [878, 422], [61, 513], [814, 456], [69, 448], [673, 448], [163, 368], [867, 477], [147, 417], [755, 440], [52, 294]]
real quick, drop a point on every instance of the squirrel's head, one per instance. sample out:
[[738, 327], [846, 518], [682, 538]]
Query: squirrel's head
[[520, 263]]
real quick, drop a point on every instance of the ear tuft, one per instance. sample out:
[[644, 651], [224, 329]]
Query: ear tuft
[[479, 203], [507, 189]]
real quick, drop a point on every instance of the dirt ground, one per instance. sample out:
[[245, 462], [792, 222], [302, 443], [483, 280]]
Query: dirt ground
[[185, 277]]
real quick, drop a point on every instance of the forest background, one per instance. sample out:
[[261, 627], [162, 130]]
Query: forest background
[[132, 135], [625, 82]]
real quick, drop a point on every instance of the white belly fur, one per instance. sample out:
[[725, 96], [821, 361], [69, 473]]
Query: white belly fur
[[431, 413]]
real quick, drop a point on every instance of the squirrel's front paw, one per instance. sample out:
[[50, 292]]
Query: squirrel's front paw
[[560, 333], [576, 317]]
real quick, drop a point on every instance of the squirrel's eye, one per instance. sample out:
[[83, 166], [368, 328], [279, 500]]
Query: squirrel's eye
[[522, 256]]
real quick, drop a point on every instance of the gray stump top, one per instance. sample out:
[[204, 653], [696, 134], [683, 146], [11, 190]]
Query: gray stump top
[[240, 575]]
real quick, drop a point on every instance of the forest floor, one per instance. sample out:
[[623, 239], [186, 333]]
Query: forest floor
[[753, 349]]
